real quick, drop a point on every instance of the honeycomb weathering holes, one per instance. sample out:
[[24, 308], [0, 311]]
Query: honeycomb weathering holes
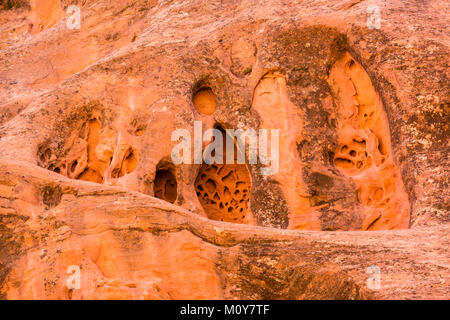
[[352, 156], [204, 101], [224, 189], [88, 152], [364, 148]]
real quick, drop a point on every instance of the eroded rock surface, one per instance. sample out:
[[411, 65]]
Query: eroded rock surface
[[224, 189], [364, 151], [87, 179]]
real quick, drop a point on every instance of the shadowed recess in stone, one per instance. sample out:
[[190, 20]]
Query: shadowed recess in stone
[[90, 152], [364, 152], [224, 189], [165, 185], [205, 101], [127, 165]]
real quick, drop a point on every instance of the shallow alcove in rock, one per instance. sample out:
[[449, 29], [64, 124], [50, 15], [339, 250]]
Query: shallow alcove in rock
[[364, 147], [78, 158], [165, 183], [204, 101], [95, 168], [88, 148], [127, 163], [224, 189]]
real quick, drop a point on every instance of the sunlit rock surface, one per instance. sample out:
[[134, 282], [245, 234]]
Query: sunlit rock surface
[[87, 178]]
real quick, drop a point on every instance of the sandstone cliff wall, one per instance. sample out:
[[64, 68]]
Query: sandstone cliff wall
[[86, 117]]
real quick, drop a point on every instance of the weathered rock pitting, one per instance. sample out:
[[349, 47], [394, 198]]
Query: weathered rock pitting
[[86, 118]]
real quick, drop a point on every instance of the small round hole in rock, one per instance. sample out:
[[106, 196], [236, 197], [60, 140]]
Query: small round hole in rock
[[205, 101]]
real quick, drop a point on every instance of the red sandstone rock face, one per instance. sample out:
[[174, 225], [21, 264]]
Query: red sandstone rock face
[[87, 179], [364, 151], [44, 14], [224, 189]]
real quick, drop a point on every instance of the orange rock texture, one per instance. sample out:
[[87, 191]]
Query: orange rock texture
[[87, 180]]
